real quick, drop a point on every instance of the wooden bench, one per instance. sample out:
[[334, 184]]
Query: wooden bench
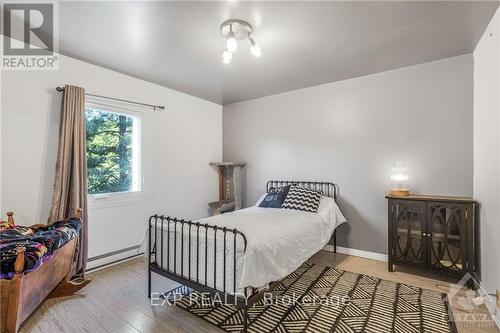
[[25, 292]]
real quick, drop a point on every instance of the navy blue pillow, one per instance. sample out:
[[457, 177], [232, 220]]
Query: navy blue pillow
[[275, 197]]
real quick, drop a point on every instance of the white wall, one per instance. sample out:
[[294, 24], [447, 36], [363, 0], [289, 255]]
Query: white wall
[[487, 149], [351, 132], [179, 143]]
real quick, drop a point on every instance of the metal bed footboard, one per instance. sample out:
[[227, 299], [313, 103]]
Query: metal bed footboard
[[201, 239]]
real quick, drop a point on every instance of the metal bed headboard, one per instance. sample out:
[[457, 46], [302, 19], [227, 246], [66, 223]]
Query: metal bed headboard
[[329, 189]]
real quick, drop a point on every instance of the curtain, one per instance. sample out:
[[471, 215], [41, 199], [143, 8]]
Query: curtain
[[70, 186]]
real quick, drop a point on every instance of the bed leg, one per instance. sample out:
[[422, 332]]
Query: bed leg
[[149, 256], [335, 241], [245, 319], [149, 282]]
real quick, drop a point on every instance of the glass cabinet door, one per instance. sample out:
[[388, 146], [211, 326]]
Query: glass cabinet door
[[447, 229], [408, 231]]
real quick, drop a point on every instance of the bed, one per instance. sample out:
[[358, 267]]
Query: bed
[[36, 263], [241, 253]]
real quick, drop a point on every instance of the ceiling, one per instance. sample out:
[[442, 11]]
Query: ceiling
[[179, 45]]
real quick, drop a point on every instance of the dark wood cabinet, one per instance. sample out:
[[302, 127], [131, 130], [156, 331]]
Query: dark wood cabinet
[[434, 232]]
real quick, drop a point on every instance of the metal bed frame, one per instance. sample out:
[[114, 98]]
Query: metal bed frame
[[231, 237]]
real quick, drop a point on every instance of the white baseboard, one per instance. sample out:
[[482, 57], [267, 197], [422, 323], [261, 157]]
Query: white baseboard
[[357, 253], [111, 259]]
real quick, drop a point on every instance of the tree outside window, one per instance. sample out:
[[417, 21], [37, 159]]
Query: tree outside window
[[111, 152]]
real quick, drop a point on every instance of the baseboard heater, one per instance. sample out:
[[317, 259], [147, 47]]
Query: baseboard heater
[[112, 258]]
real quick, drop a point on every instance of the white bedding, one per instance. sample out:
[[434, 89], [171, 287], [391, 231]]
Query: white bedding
[[278, 242]]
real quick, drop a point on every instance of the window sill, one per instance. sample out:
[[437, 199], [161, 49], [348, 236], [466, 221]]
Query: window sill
[[117, 200]]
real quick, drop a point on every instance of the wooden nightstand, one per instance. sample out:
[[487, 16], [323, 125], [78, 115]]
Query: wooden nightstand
[[434, 232]]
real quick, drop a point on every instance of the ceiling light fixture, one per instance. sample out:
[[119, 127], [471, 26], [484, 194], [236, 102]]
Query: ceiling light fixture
[[234, 31]]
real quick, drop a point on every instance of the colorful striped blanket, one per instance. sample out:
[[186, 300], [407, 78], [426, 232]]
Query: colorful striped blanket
[[40, 243]]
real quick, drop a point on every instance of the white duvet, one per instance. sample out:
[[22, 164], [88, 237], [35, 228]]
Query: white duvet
[[278, 242]]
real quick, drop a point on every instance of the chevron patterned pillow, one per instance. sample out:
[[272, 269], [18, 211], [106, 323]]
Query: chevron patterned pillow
[[300, 198]]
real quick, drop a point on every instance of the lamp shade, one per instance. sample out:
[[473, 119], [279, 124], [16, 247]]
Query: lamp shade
[[399, 180]]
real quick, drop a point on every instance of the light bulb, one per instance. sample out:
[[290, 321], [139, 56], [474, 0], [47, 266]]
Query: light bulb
[[256, 51], [255, 48], [227, 56], [231, 43]]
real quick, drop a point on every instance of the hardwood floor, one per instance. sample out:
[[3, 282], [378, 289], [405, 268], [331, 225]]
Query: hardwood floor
[[116, 300]]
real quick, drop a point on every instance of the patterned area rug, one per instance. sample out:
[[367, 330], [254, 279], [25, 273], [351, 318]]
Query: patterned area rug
[[374, 305]]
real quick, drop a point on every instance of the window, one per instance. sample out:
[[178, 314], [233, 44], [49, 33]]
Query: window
[[113, 151]]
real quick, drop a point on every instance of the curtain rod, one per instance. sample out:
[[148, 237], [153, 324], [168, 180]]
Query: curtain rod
[[160, 107]]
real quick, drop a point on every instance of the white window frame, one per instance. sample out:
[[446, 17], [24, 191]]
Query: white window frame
[[105, 200]]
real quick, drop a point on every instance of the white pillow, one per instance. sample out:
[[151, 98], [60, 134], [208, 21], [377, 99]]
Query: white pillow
[[329, 208]]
